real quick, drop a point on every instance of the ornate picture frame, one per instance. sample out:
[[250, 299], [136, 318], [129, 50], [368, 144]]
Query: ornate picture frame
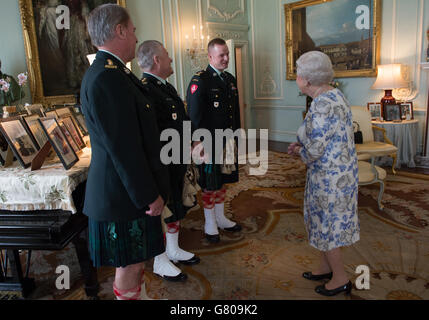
[[44, 78], [358, 57]]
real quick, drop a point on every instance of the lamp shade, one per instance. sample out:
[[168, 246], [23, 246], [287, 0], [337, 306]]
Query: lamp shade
[[389, 77]]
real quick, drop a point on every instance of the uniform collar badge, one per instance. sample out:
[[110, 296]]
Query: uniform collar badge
[[110, 64], [127, 71], [159, 82]]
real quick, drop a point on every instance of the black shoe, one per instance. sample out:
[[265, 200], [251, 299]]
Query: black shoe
[[309, 276], [213, 238], [235, 228], [194, 260], [347, 288], [181, 277]]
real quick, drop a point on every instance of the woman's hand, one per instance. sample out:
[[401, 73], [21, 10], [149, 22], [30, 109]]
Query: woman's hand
[[155, 208], [294, 149]]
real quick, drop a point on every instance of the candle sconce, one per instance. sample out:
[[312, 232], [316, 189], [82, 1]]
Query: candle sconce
[[196, 46]]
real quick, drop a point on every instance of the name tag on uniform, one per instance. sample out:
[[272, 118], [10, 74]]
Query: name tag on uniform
[[216, 104], [174, 116]]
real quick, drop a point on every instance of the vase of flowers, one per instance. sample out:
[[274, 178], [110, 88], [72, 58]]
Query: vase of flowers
[[22, 81]]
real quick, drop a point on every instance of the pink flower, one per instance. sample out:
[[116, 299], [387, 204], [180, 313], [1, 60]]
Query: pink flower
[[5, 86], [22, 79]]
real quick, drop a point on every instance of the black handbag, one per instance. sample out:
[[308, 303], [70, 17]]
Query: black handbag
[[358, 133]]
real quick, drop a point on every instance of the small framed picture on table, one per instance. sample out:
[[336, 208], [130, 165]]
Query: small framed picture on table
[[407, 110], [392, 112], [19, 139], [36, 129], [59, 142], [375, 110]]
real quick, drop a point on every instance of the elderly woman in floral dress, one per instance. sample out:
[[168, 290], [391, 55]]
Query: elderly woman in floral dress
[[326, 146]]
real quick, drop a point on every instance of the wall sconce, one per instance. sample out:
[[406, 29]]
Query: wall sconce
[[198, 44]]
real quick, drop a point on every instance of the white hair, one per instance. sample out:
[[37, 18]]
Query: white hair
[[315, 67], [145, 53]]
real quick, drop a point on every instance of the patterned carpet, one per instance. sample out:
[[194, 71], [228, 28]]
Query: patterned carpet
[[266, 260]]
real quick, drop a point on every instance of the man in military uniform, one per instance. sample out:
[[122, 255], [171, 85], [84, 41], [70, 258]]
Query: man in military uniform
[[155, 63], [212, 100], [127, 184]]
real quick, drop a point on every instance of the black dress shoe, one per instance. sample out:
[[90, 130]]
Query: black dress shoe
[[309, 276], [347, 288], [194, 260], [212, 238], [179, 278], [235, 228]]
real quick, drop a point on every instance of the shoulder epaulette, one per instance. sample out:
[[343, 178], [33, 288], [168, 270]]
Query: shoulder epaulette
[[110, 65]]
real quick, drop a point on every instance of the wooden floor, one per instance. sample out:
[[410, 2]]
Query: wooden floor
[[282, 147]]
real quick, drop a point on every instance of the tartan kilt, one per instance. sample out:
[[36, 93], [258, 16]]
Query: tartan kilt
[[119, 244], [175, 202], [212, 178]]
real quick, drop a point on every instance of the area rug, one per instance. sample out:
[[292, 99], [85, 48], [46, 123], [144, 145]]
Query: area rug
[[265, 261]]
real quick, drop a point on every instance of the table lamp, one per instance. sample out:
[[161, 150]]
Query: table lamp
[[389, 77]]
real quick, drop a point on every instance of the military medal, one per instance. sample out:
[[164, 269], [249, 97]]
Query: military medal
[[174, 115]]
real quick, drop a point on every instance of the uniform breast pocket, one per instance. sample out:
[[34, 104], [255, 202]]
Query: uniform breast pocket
[[216, 102]]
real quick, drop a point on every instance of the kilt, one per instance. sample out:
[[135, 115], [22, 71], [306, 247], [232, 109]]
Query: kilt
[[119, 244], [212, 178], [175, 201]]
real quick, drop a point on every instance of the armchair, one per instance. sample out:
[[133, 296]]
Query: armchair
[[369, 173]]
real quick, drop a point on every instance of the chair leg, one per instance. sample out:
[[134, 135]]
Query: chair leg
[[380, 195], [394, 163]]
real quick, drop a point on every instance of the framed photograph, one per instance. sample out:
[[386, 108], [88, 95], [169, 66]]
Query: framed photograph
[[35, 109], [392, 112], [375, 110], [19, 139], [36, 129], [51, 114], [62, 111], [59, 142], [56, 58], [69, 138], [80, 119], [69, 124], [407, 111], [347, 31]]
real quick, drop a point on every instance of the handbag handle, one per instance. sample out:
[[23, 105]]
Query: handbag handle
[[358, 126]]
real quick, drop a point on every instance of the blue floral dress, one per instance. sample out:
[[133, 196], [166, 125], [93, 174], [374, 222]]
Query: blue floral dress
[[331, 190]]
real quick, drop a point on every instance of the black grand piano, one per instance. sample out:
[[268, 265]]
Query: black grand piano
[[43, 230]]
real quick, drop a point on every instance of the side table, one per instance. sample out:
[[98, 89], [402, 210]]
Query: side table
[[404, 136]]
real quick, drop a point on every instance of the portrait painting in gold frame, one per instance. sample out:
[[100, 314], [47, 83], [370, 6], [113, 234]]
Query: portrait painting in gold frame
[[56, 57], [347, 31]]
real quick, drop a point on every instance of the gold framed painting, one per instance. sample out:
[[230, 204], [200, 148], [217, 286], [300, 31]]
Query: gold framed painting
[[347, 31], [56, 58]]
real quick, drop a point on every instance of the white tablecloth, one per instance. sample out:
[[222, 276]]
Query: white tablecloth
[[404, 136], [49, 188]]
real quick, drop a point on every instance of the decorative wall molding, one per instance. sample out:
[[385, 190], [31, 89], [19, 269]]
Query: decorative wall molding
[[227, 14], [256, 90]]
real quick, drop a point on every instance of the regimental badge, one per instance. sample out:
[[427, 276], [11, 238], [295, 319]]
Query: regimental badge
[[110, 65], [194, 88], [159, 83], [174, 116], [127, 71], [216, 104], [215, 74]]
